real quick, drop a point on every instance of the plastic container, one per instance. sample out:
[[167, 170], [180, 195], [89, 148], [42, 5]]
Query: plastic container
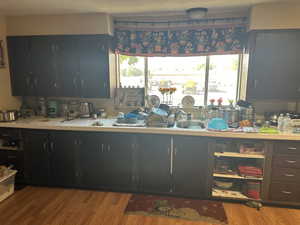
[[7, 184], [280, 122]]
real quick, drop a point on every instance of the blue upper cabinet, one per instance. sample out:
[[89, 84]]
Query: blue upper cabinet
[[61, 65], [274, 65]]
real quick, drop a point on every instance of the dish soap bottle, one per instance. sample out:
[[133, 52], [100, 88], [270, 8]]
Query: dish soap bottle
[[280, 123]]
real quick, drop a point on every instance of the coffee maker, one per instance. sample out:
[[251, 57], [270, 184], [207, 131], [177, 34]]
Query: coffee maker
[[85, 109]]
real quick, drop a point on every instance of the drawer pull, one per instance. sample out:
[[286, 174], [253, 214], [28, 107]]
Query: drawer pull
[[291, 161], [286, 192], [289, 175], [292, 148]]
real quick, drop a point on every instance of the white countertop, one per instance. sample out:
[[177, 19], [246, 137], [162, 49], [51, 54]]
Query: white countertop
[[86, 125]]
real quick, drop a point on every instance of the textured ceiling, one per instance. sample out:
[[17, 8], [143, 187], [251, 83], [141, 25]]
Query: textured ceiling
[[23, 7]]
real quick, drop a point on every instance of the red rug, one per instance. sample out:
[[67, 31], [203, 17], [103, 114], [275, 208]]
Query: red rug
[[180, 208]]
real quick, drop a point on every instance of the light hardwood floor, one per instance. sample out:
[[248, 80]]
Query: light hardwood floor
[[54, 206]]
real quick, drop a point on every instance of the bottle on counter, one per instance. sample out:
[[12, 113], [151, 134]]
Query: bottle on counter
[[287, 126], [280, 123]]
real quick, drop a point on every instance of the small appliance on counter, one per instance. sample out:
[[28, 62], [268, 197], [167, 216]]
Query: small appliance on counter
[[85, 109], [9, 116], [52, 108], [272, 117]]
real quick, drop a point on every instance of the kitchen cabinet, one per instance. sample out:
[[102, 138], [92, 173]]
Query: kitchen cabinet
[[93, 66], [119, 162], [67, 64], [106, 161], [284, 173], [91, 162], [36, 151], [50, 158], [62, 158], [61, 65], [190, 156], [154, 163], [42, 54], [274, 65], [20, 66]]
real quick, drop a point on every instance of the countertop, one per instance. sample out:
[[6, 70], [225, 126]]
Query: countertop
[[86, 125]]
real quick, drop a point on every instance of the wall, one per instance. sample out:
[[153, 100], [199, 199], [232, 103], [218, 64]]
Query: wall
[[275, 16], [6, 99], [94, 23]]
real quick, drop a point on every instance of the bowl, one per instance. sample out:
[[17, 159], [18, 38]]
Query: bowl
[[223, 184]]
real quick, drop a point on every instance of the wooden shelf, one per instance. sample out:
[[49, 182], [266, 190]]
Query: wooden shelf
[[9, 148], [220, 175], [238, 155], [232, 195]]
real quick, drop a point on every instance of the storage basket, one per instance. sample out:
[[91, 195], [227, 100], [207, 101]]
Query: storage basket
[[7, 184]]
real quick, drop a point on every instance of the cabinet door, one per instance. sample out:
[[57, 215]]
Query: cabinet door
[[118, 163], [62, 148], [16, 159], [190, 157], [20, 66], [92, 164], [36, 157], [274, 66], [43, 65], [67, 61], [154, 158], [94, 66]]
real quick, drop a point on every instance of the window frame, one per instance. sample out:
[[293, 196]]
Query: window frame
[[240, 78]]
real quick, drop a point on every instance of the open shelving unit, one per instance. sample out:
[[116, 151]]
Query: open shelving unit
[[235, 176], [9, 148], [231, 195], [230, 153], [238, 155]]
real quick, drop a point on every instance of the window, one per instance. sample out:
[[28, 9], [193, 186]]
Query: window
[[203, 77]]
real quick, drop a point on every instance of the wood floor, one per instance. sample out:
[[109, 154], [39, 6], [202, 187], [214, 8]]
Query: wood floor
[[53, 206]]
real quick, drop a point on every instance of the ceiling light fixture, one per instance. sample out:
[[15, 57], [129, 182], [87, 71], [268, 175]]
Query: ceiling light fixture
[[197, 13]]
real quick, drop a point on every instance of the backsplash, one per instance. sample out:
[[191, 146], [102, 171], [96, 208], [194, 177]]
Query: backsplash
[[109, 105]]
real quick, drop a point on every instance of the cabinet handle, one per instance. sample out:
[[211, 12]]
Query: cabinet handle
[[75, 82], [286, 192], [102, 147], [27, 80], [52, 145], [44, 146], [255, 83], [289, 175], [35, 81], [172, 149], [108, 148], [175, 151], [292, 148], [82, 82], [12, 157], [291, 161], [55, 85]]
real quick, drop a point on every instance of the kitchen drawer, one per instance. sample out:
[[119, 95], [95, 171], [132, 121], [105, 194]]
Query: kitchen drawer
[[285, 192], [289, 147], [286, 174], [286, 161]]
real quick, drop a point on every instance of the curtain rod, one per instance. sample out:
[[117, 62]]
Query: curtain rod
[[244, 19]]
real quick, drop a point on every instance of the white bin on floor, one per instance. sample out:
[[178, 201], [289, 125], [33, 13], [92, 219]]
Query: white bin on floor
[[7, 184]]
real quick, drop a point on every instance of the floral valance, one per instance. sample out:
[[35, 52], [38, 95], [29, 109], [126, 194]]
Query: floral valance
[[221, 39]]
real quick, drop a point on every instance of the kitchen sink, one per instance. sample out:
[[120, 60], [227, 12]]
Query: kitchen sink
[[190, 124]]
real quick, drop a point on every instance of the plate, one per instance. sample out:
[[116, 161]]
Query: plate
[[154, 101], [188, 101]]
